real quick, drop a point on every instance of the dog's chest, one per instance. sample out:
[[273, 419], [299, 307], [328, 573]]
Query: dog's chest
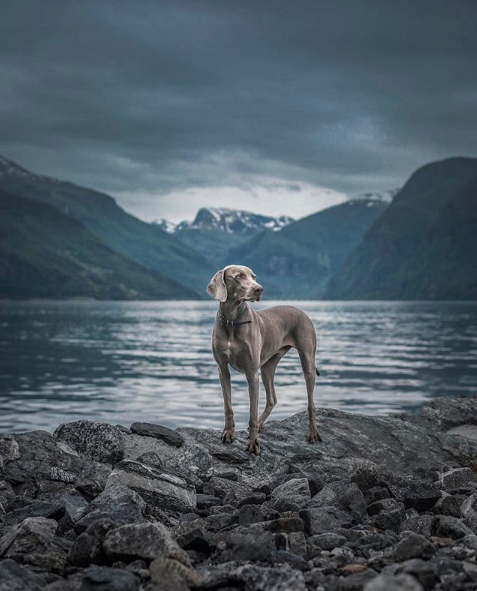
[[233, 352]]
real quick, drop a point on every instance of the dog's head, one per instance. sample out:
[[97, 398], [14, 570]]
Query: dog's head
[[236, 283]]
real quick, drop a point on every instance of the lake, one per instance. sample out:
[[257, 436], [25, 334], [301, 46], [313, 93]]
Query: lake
[[151, 361]]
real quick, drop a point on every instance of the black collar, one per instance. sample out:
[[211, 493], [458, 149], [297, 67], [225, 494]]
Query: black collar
[[236, 321]]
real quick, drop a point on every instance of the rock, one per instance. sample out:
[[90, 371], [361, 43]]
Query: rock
[[451, 527], [324, 520], [44, 459], [376, 493], [192, 535], [14, 577], [425, 571], [390, 518], [116, 503], [98, 441], [168, 574], [382, 505], [413, 546], [419, 494], [88, 547], [241, 547], [206, 501], [47, 509], [9, 450], [469, 512], [366, 475], [327, 541], [143, 541], [402, 582], [255, 514], [356, 581], [344, 495], [419, 524], [102, 578], [227, 489], [251, 577], [375, 542], [291, 496], [158, 489], [220, 521], [449, 505], [158, 432], [457, 479]]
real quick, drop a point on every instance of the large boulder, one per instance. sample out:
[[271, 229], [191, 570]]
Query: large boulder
[[14, 577], [99, 441], [292, 495], [158, 432], [160, 490]]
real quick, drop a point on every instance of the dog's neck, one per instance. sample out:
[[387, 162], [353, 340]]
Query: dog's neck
[[232, 309]]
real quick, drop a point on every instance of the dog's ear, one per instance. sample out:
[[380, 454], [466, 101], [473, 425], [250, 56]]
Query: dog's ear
[[217, 288]]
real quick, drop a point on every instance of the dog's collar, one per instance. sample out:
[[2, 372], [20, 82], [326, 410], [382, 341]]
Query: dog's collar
[[236, 321]]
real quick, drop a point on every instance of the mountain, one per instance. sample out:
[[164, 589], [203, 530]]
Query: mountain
[[298, 261], [138, 241], [424, 246], [45, 253], [215, 229]]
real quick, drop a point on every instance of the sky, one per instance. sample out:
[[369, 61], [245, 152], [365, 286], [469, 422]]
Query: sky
[[272, 106]]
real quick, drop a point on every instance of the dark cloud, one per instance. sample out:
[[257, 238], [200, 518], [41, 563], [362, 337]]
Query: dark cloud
[[157, 96]]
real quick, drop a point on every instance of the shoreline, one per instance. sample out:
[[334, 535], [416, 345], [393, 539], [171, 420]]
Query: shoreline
[[384, 500]]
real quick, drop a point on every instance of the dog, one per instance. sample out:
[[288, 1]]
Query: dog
[[248, 341]]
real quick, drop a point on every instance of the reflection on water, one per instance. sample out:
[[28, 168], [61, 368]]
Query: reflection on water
[[130, 361]]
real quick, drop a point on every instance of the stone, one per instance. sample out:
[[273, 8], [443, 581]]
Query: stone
[[425, 571], [356, 581], [451, 527], [376, 493], [14, 577], [87, 548], [141, 541], [326, 541], [224, 488], [291, 496], [251, 577], [192, 535], [102, 578], [9, 450], [413, 546], [419, 524], [206, 501], [366, 475], [469, 512], [47, 509], [324, 520], [169, 436], [240, 547], [457, 479], [220, 521], [419, 494], [341, 494], [168, 574], [99, 441], [255, 514], [401, 582], [449, 504], [390, 518], [116, 503], [159, 489]]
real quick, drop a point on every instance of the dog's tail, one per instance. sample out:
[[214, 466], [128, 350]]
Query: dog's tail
[[317, 371]]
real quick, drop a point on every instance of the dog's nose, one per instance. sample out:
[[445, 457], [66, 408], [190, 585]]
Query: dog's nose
[[258, 290]]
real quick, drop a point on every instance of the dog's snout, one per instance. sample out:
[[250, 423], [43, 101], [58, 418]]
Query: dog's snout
[[258, 290]]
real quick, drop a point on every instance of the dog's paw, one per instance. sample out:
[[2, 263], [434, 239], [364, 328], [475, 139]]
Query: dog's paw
[[253, 446], [228, 436], [314, 436]]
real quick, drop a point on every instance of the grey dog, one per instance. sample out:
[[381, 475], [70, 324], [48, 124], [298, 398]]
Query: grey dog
[[249, 341]]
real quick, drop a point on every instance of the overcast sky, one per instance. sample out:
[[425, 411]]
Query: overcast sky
[[272, 106]]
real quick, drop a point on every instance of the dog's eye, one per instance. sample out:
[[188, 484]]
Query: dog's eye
[[239, 276]]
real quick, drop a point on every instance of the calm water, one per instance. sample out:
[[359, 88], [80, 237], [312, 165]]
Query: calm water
[[129, 361]]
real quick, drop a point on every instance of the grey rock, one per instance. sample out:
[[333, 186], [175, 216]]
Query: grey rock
[[375, 542], [469, 512], [220, 521], [255, 514], [451, 527], [344, 495], [425, 571], [47, 509], [102, 578], [327, 541], [14, 577], [390, 518], [419, 494], [291, 496], [142, 541], [158, 489], [99, 441], [457, 479], [401, 582], [420, 524], [116, 503], [324, 520], [356, 581], [450, 504], [206, 501], [376, 493], [88, 546], [192, 535], [41, 455], [241, 547], [382, 505], [413, 546], [158, 432], [228, 489], [9, 450]]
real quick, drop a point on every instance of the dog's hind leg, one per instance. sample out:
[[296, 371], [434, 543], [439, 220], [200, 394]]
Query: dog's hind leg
[[309, 371], [268, 375]]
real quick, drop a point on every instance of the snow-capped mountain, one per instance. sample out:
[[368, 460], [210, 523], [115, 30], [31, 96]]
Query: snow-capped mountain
[[232, 221], [165, 225], [376, 197]]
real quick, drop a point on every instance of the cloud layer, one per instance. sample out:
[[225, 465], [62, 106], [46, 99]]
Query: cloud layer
[[150, 100]]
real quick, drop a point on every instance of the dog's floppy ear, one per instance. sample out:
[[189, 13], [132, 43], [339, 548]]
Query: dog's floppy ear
[[217, 288]]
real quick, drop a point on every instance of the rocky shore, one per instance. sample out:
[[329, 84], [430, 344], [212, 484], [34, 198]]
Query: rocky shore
[[384, 503]]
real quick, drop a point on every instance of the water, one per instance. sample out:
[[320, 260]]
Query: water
[[151, 361]]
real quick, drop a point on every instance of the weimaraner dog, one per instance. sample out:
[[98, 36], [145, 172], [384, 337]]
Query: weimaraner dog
[[249, 341]]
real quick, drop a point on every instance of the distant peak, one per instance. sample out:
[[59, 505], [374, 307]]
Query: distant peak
[[376, 196]]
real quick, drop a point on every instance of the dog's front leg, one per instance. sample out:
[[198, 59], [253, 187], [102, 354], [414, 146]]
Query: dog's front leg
[[228, 434], [253, 445]]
